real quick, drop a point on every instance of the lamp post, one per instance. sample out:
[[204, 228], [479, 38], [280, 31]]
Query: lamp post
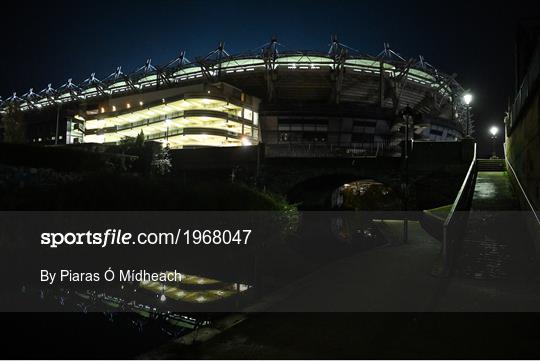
[[167, 123], [408, 117], [57, 124], [493, 131], [467, 99]]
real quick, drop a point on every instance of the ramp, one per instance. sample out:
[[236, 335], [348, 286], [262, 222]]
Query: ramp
[[495, 242]]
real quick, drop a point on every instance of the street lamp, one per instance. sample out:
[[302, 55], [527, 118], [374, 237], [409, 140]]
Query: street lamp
[[167, 123], [493, 131], [408, 117], [467, 99]]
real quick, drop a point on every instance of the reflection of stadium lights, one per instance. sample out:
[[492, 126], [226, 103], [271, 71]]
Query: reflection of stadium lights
[[128, 105], [102, 110], [141, 103], [113, 108]]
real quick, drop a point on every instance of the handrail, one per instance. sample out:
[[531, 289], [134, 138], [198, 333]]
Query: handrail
[[514, 174], [529, 80], [447, 252], [460, 193]]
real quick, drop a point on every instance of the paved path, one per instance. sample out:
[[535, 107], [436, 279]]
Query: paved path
[[394, 278], [493, 192], [494, 270], [493, 275], [496, 245]]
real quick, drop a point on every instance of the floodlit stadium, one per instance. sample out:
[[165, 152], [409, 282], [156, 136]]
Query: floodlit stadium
[[338, 98]]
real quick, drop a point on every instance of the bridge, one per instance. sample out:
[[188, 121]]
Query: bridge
[[484, 245], [434, 170]]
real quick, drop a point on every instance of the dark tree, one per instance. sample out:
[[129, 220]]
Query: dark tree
[[13, 122]]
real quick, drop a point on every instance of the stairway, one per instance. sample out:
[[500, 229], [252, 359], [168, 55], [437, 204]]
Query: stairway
[[491, 165]]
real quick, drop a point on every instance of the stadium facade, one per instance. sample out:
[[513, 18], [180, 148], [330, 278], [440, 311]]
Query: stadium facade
[[338, 98]]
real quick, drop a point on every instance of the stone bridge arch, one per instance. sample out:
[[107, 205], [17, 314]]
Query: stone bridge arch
[[295, 179]]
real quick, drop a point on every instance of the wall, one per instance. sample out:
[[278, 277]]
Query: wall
[[523, 149]]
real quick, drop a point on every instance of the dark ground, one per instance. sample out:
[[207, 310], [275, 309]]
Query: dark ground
[[361, 335]]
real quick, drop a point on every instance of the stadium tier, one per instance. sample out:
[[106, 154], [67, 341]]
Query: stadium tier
[[334, 98]]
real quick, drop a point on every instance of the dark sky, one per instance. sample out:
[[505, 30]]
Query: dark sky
[[52, 41]]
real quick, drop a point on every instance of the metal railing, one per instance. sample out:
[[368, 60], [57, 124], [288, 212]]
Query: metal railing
[[313, 150], [173, 116], [454, 225], [527, 87], [522, 190]]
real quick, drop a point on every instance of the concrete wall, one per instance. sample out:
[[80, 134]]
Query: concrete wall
[[523, 149]]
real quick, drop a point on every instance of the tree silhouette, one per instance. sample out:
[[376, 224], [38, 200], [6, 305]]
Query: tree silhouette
[[13, 122]]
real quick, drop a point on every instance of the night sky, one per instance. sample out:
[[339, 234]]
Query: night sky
[[49, 42]]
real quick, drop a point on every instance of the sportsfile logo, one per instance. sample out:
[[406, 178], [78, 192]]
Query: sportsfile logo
[[119, 237]]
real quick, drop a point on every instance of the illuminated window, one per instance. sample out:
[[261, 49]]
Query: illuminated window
[[255, 118], [248, 114]]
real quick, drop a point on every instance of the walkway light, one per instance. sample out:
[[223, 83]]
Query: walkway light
[[467, 98], [163, 298], [493, 131]]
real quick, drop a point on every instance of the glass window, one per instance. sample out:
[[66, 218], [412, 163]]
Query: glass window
[[248, 114], [255, 118]]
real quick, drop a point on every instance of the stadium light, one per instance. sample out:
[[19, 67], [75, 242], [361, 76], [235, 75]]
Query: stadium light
[[467, 98], [494, 131]]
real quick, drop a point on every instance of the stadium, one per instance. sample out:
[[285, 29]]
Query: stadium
[[335, 99]]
